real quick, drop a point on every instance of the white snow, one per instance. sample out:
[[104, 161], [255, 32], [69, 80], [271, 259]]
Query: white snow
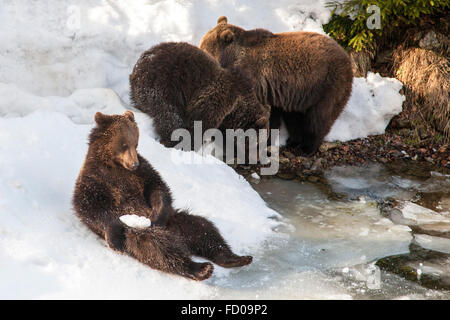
[[135, 221], [254, 175], [61, 62], [374, 101], [41, 154]]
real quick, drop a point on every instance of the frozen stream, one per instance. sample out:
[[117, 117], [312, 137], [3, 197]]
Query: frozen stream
[[331, 246]]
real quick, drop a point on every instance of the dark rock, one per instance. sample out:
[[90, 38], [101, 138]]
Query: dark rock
[[288, 154], [317, 165], [313, 179], [430, 41], [328, 146], [384, 56], [428, 268], [286, 175]]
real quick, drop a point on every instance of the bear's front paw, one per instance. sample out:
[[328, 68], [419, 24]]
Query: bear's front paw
[[115, 236]]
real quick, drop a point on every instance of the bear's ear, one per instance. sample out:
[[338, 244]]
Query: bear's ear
[[222, 19], [102, 119], [129, 115], [227, 36]]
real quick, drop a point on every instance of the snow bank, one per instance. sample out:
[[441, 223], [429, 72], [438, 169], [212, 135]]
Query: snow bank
[[41, 236], [374, 101]]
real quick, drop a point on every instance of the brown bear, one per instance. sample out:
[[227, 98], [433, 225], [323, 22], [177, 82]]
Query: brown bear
[[177, 84], [115, 180], [305, 77]]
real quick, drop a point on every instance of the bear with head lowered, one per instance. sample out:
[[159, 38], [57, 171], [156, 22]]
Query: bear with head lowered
[[305, 77], [115, 180], [177, 84]]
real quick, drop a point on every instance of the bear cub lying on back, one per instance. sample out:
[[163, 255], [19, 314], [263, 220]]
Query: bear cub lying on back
[[177, 84], [115, 180]]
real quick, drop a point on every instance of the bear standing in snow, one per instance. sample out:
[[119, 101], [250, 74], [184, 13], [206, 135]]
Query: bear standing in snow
[[177, 84], [115, 180], [305, 77]]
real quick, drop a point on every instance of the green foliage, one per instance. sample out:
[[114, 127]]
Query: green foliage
[[348, 23]]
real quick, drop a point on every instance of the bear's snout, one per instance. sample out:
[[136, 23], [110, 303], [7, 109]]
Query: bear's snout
[[134, 166], [129, 159]]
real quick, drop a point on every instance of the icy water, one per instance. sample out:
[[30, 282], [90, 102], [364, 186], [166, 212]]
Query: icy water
[[362, 233]]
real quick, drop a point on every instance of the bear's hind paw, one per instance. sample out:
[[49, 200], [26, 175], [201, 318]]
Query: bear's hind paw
[[233, 261], [200, 271]]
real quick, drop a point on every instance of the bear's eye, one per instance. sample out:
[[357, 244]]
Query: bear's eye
[[124, 147]]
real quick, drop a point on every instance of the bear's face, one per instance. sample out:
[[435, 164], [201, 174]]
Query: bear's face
[[121, 136], [219, 37], [248, 113]]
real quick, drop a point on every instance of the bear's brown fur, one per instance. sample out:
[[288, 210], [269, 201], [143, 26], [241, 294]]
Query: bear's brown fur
[[305, 77], [115, 180], [177, 84]]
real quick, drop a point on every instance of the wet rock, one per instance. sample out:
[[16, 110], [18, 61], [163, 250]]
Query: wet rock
[[429, 268], [288, 155], [405, 132], [430, 41], [401, 123], [284, 160], [328, 146], [317, 165], [305, 162], [396, 153], [441, 229], [313, 179], [286, 175]]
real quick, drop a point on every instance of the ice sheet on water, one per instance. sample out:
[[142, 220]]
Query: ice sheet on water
[[419, 215], [433, 243], [373, 181], [333, 233]]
